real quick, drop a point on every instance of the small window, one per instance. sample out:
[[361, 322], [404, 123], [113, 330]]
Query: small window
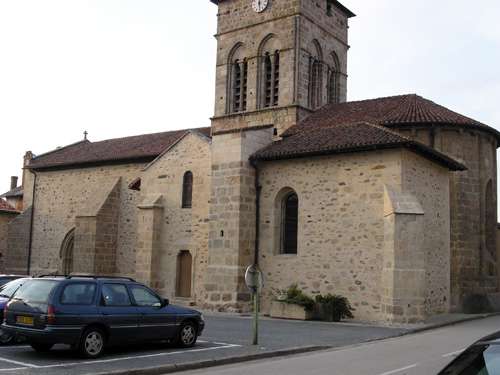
[[115, 295], [11, 287], [271, 71], [289, 224], [187, 190], [329, 7], [144, 297], [78, 294], [36, 291]]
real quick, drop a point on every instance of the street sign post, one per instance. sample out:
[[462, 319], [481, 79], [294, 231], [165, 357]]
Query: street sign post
[[255, 281]]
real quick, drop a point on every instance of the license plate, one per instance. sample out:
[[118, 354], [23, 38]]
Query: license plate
[[26, 320]]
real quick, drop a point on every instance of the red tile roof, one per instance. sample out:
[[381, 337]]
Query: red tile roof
[[394, 111], [137, 148], [5, 207], [346, 138]]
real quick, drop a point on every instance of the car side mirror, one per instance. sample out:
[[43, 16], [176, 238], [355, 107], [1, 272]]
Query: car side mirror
[[165, 302]]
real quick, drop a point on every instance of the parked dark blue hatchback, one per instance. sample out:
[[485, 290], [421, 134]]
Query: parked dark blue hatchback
[[90, 313]]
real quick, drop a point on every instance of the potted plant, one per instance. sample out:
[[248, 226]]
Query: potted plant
[[292, 303], [334, 308]]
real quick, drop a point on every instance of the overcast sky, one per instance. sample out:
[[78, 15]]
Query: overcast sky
[[126, 67]]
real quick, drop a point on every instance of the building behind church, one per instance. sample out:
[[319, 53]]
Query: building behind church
[[390, 202]]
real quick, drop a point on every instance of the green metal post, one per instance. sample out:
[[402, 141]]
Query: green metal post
[[256, 317]]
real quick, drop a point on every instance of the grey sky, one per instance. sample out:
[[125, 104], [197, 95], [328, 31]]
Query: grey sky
[[126, 67]]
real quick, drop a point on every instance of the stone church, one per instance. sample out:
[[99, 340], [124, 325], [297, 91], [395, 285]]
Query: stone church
[[390, 202]]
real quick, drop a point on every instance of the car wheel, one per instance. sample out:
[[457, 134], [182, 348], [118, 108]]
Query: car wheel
[[187, 335], [92, 343], [41, 348], [5, 338]]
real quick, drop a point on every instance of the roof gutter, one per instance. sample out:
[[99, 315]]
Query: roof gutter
[[258, 189], [30, 243]]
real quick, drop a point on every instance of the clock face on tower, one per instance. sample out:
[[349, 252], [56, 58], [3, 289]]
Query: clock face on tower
[[260, 5]]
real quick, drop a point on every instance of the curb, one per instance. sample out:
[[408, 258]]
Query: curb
[[168, 369], [450, 323]]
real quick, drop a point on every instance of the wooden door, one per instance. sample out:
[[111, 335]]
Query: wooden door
[[184, 269]]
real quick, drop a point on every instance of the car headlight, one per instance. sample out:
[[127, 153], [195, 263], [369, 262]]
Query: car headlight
[[202, 318]]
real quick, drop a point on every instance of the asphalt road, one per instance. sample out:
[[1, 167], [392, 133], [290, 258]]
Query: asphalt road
[[280, 334], [225, 336], [425, 353]]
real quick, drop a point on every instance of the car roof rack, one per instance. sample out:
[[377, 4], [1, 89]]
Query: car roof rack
[[91, 277]]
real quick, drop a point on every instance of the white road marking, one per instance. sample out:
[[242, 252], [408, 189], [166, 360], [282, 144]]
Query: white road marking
[[139, 356], [18, 363], [29, 365], [400, 369], [452, 353], [13, 369]]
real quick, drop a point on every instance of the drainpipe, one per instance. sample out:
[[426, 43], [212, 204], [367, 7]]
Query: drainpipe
[[30, 244], [258, 189]]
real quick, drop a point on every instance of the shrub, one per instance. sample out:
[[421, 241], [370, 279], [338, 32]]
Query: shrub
[[294, 295], [334, 307]]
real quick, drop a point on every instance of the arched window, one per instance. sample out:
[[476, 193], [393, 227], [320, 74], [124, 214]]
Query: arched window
[[271, 79], [315, 76], [66, 253], [237, 82], [187, 190], [333, 81], [269, 73], [316, 84], [289, 223]]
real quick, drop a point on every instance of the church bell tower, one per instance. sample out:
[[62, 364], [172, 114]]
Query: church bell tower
[[277, 62]]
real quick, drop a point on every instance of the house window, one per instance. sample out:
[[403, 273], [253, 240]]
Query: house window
[[240, 77], [187, 190], [329, 7], [289, 223], [333, 88], [316, 84], [271, 79], [66, 253]]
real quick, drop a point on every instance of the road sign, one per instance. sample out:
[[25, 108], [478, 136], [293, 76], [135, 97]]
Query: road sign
[[253, 278]]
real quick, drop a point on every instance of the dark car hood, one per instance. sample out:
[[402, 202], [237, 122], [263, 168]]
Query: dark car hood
[[182, 310]]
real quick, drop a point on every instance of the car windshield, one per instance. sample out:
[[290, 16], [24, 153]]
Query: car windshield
[[10, 288], [36, 291], [478, 360]]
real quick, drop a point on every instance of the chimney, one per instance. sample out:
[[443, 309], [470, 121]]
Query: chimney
[[13, 182]]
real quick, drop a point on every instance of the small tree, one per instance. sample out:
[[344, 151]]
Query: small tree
[[335, 308]]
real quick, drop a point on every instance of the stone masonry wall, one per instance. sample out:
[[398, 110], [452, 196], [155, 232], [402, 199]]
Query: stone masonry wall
[[15, 261], [63, 195], [5, 219], [341, 224], [341, 228], [181, 228], [429, 183], [474, 268], [232, 218]]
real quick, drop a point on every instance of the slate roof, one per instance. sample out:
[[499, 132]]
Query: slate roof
[[346, 138], [394, 111], [5, 207], [129, 149], [16, 192]]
